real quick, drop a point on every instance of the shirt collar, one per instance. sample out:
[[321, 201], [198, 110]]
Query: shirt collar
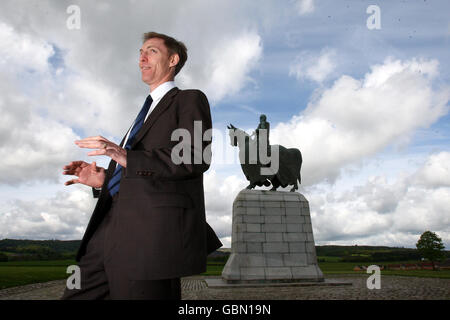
[[162, 89]]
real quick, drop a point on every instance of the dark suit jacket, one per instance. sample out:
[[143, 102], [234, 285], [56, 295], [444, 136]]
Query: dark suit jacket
[[161, 230]]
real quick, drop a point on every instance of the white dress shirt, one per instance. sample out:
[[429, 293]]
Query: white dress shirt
[[157, 94]]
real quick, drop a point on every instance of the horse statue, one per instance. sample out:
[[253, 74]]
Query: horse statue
[[289, 162]]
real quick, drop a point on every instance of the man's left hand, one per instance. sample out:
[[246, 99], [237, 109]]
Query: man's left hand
[[104, 148]]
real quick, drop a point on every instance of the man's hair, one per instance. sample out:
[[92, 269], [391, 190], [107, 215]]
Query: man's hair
[[172, 45]]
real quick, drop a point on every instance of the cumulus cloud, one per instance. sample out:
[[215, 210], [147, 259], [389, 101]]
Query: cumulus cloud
[[63, 216], [436, 172], [36, 152], [356, 118], [227, 66], [33, 147], [57, 84], [219, 196], [57, 81], [105, 52], [313, 66], [378, 212], [15, 51]]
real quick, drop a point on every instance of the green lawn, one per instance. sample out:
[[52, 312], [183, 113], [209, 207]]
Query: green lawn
[[16, 273], [334, 267], [11, 276], [214, 269], [40, 263], [331, 265]]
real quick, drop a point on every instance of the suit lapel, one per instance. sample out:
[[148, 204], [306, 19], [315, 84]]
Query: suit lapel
[[110, 170], [154, 115]]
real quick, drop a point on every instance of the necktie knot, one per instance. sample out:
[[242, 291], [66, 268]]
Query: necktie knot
[[149, 99]]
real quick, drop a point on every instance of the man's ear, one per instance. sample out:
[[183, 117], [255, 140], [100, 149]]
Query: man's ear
[[173, 60]]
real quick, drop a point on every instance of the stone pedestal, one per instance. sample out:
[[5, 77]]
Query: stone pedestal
[[272, 239]]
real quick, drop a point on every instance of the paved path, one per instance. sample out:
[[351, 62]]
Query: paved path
[[195, 288]]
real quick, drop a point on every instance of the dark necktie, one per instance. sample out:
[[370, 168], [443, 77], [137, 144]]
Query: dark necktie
[[114, 182]]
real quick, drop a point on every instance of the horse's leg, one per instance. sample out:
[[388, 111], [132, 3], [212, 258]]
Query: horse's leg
[[250, 186], [295, 187], [275, 183]]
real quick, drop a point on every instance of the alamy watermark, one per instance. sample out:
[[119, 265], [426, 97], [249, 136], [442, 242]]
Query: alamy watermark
[[374, 20], [249, 151], [374, 281], [73, 22], [74, 280]]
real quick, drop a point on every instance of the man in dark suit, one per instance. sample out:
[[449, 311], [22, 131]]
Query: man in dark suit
[[148, 228]]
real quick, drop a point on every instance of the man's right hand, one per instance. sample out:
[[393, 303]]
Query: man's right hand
[[88, 174]]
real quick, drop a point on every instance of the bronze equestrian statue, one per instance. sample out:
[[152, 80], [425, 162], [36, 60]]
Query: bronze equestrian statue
[[289, 160]]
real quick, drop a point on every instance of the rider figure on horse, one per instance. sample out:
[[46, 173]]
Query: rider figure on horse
[[262, 132]]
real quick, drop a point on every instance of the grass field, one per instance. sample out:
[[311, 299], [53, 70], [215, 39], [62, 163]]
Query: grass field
[[25, 272], [347, 268], [16, 273]]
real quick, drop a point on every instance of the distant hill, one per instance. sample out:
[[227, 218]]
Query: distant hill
[[60, 246], [370, 253], [359, 253], [341, 251], [14, 249]]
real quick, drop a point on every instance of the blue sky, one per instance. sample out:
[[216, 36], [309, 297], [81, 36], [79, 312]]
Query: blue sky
[[367, 108], [409, 29]]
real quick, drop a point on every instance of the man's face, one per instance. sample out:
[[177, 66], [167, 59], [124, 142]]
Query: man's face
[[155, 63]]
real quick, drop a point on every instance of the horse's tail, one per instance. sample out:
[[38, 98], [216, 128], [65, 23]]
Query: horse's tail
[[300, 161], [296, 155]]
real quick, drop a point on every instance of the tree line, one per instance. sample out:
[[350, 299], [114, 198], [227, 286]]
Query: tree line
[[16, 249]]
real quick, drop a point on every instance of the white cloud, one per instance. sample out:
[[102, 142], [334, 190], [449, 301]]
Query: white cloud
[[313, 66], [376, 212], [350, 121], [55, 81], [436, 172], [104, 54], [36, 152], [304, 6], [219, 196], [33, 147], [382, 213], [95, 88], [227, 67], [24, 52], [64, 216], [354, 119], [89, 105]]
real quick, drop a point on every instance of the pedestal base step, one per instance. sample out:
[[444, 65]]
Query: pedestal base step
[[220, 283]]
